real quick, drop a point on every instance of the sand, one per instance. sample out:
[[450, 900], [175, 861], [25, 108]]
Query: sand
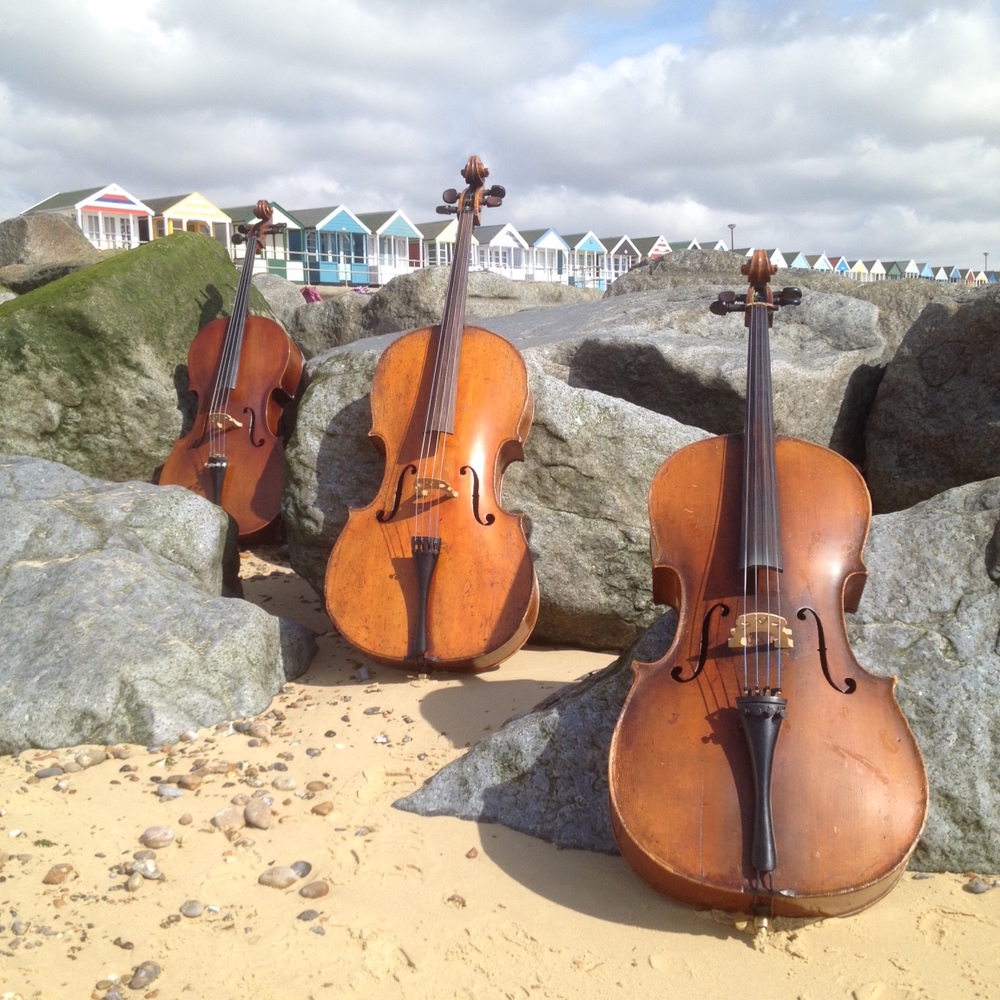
[[416, 907]]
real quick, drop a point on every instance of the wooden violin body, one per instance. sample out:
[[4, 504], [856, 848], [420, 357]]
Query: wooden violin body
[[434, 574], [243, 370], [709, 804]]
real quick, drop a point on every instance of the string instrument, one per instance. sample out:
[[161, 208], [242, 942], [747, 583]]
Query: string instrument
[[244, 370], [434, 574], [757, 767]]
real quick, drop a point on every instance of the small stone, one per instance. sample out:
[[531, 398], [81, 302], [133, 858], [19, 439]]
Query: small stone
[[257, 813], [330, 733], [189, 781], [166, 791], [124, 945], [977, 885], [50, 772], [229, 818], [472, 853], [283, 783], [192, 908], [157, 837], [316, 786], [135, 880], [189, 736], [308, 915], [91, 756], [314, 890], [302, 868], [374, 710], [186, 819], [278, 877], [57, 874], [144, 975], [323, 808], [313, 751], [259, 730]]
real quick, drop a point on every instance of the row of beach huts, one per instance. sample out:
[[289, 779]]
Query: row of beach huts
[[337, 247]]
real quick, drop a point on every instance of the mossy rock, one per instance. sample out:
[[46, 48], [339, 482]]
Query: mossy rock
[[94, 364]]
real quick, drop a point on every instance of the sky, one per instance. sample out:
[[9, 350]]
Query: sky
[[862, 128]]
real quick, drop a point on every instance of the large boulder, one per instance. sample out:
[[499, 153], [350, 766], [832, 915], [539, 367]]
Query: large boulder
[[935, 423], [43, 239], [589, 459], [113, 627], [94, 365], [929, 615]]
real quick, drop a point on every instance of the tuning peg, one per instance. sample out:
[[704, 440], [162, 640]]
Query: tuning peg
[[728, 302], [492, 201], [450, 196], [446, 210], [497, 191], [239, 238], [789, 297]]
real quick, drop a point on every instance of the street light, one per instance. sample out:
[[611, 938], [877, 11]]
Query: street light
[[732, 226]]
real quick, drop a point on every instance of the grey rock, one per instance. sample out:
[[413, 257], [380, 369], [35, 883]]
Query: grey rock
[[113, 624], [318, 326], [43, 239], [929, 615], [282, 296], [935, 423]]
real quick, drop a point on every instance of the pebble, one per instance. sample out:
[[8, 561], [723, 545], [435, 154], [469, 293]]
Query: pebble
[[166, 791], [259, 730], [978, 885], [186, 819], [317, 786], [374, 710], [330, 733], [284, 783], [50, 772], [147, 868], [57, 874], [257, 813], [230, 818], [192, 908], [323, 808], [135, 880], [278, 877], [90, 757], [302, 868], [144, 975], [313, 751], [157, 837], [314, 890], [189, 781], [308, 915]]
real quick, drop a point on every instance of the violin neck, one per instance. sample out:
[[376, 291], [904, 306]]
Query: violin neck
[[441, 417], [761, 529]]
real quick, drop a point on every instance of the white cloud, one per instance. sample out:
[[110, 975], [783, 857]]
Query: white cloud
[[869, 129]]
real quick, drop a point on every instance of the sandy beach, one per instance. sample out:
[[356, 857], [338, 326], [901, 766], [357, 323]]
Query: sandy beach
[[383, 903]]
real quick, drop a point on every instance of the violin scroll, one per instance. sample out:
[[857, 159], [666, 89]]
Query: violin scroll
[[475, 196]]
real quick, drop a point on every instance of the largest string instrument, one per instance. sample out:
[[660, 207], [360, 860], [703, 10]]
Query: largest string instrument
[[757, 767], [434, 574]]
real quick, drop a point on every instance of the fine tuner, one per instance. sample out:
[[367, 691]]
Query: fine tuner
[[728, 302]]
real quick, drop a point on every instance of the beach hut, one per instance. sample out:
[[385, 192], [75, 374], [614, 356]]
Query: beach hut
[[283, 251], [185, 213], [548, 256], [623, 255], [336, 246], [875, 270], [502, 250], [776, 257], [942, 273], [108, 216], [841, 266], [718, 245], [819, 262], [858, 271], [796, 259], [587, 261], [676, 245], [438, 240], [651, 247], [926, 271], [389, 244]]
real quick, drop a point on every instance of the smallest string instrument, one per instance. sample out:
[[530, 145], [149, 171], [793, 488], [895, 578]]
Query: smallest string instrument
[[244, 371]]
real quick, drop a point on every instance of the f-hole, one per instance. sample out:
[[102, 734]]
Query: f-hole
[[850, 684], [490, 518], [381, 515], [706, 626], [252, 421]]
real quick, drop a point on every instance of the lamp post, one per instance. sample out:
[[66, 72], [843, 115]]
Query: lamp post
[[732, 226], [986, 257]]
